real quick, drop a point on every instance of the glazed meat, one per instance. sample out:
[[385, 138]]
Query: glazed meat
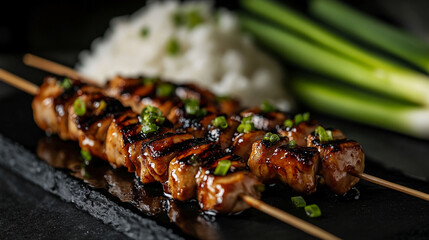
[[222, 193], [265, 121], [298, 133], [224, 137], [242, 145]]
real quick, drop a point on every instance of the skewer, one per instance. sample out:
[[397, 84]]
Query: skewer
[[53, 67], [313, 230], [59, 69]]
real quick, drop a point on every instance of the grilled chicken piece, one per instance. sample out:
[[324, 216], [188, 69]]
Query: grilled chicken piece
[[158, 152], [198, 126], [242, 145], [137, 94], [265, 121], [299, 132], [222, 193], [183, 168], [262, 150], [338, 158], [91, 128], [224, 137], [296, 166], [50, 106]]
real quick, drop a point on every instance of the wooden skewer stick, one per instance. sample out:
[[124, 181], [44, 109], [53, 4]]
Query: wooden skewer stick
[[33, 89], [288, 218], [392, 185], [56, 68], [18, 82]]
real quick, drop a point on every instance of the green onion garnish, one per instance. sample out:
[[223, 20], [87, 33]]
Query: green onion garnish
[[292, 144], [144, 32], [266, 107], [222, 167], [313, 211], [194, 159], [79, 106], [173, 47], [306, 116], [222, 98], [298, 119], [151, 118], [192, 107], [149, 127], [194, 19], [164, 89], [101, 106], [324, 136], [86, 156], [288, 123], [246, 125], [66, 83], [148, 81], [220, 122], [298, 201], [272, 137]]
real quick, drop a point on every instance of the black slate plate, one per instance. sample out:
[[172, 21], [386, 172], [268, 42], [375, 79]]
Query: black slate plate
[[378, 213]]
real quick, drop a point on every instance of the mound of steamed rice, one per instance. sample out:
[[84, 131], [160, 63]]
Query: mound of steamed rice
[[210, 51]]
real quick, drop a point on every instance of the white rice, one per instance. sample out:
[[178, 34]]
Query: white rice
[[214, 54]]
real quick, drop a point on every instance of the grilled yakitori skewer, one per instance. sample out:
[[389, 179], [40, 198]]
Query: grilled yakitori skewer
[[206, 179], [53, 67]]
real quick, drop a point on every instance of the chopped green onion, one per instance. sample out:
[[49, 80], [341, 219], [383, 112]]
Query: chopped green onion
[[220, 122], [288, 123], [79, 106], [178, 18], [148, 81], [272, 137], [86, 156], [222, 98], [149, 127], [192, 107], [173, 47], [306, 116], [323, 135], [66, 83], [266, 107], [329, 133], [298, 119], [259, 187], [313, 211], [101, 106], [194, 19], [222, 167], [144, 32], [246, 125], [164, 89], [292, 144], [298, 201]]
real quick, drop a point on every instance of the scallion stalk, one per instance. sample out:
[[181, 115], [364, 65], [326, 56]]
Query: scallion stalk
[[362, 107], [406, 85], [372, 31]]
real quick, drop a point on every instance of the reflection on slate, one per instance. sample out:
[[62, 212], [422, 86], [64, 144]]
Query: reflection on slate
[[149, 198]]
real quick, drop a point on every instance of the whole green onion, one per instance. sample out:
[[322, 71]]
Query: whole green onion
[[372, 31], [79, 106], [348, 103], [406, 85], [313, 211], [222, 167]]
